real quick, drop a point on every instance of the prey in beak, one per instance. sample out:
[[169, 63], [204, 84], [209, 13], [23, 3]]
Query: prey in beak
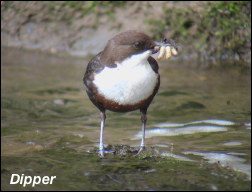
[[166, 48]]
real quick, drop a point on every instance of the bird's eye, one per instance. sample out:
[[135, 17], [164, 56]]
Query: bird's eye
[[138, 45]]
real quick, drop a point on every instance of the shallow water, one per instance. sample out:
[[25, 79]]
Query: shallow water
[[49, 127]]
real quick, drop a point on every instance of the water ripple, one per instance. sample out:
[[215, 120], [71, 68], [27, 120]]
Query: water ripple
[[206, 121], [236, 163], [179, 131]]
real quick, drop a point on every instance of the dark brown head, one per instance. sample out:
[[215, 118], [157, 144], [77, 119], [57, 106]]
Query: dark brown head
[[124, 45]]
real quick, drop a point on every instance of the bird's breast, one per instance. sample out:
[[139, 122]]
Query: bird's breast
[[126, 84]]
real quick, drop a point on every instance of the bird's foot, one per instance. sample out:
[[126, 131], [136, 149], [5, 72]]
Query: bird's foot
[[141, 149], [101, 151]]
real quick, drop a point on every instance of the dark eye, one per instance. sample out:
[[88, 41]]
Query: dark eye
[[139, 45]]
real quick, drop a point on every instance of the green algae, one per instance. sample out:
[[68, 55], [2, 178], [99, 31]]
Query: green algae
[[86, 171]]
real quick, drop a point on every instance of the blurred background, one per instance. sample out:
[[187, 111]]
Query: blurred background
[[199, 123], [209, 31]]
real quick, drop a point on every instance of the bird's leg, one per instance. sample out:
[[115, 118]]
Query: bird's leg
[[144, 120], [101, 146]]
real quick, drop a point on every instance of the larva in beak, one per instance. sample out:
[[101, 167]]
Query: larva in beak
[[156, 48], [168, 52], [174, 51], [161, 53]]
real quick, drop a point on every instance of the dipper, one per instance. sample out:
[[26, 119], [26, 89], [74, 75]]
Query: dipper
[[123, 77]]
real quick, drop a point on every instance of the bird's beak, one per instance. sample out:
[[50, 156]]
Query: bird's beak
[[160, 44]]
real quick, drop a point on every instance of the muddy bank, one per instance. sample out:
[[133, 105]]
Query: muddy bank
[[209, 31]]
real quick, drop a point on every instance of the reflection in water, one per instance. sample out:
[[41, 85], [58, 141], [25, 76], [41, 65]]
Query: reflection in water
[[207, 121], [232, 143], [176, 129], [180, 131], [224, 159], [182, 128], [248, 125]]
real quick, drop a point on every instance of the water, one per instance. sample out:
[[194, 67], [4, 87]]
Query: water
[[198, 135]]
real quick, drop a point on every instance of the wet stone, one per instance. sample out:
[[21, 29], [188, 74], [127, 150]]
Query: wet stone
[[127, 151]]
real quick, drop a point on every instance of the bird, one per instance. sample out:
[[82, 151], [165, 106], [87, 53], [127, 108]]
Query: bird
[[123, 77]]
